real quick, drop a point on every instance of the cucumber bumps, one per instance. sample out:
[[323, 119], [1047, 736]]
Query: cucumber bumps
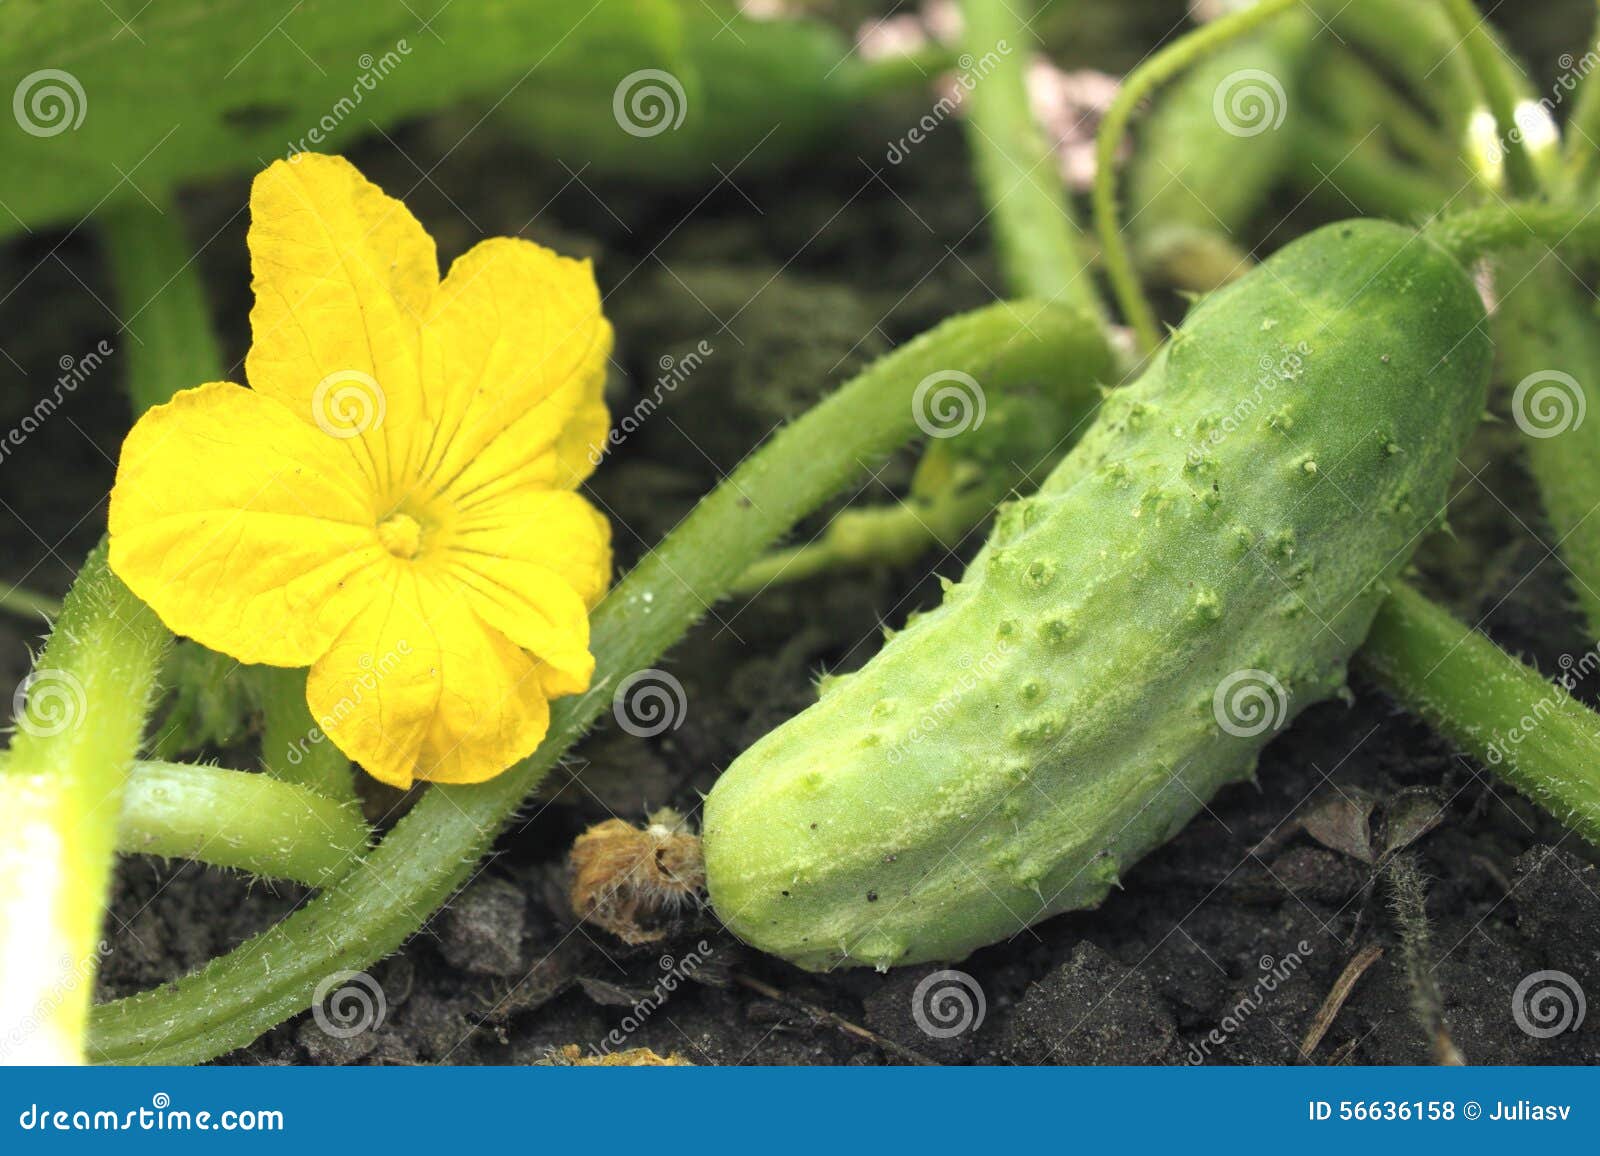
[[1196, 572]]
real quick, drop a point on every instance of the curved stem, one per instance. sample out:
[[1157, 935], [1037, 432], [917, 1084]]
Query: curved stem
[[60, 795], [1489, 63], [1140, 83], [1529, 731], [235, 819], [389, 893]]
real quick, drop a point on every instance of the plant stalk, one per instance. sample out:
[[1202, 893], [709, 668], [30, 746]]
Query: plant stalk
[[1528, 730]]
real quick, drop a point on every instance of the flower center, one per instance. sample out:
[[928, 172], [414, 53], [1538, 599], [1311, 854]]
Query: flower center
[[401, 535]]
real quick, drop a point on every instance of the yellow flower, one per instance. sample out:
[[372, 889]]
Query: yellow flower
[[392, 503]]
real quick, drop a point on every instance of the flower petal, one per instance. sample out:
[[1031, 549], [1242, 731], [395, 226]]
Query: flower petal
[[417, 687], [517, 346], [556, 530], [243, 529], [343, 276]]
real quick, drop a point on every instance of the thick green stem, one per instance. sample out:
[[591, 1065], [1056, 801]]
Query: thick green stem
[[234, 819], [294, 748], [1039, 245], [60, 797], [1529, 731], [162, 301], [388, 895], [1140, 83], [1490, 65], [1506, 226]]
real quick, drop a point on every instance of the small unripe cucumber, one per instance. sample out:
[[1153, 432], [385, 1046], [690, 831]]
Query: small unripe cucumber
[[1226, 529]]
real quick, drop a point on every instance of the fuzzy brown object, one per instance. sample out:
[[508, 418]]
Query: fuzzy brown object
[[631, 881]]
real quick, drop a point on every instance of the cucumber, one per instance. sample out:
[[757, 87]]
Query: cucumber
[[1217, 545]]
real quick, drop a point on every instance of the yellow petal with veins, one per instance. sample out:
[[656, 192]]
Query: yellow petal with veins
[[244, 529], [418, 687], [343, 276]]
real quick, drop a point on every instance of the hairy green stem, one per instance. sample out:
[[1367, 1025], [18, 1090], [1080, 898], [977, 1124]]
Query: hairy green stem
[[235, 819], [1476, 233], [60, 797], [1139, 84], [430, 852], [162, 300], [1489, 63], [1528, 730], [294, 748]]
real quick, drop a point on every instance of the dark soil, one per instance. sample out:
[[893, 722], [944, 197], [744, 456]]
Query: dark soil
[[795, 280]]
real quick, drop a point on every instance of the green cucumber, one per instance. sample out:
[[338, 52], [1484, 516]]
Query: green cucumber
[[1219, 541]]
